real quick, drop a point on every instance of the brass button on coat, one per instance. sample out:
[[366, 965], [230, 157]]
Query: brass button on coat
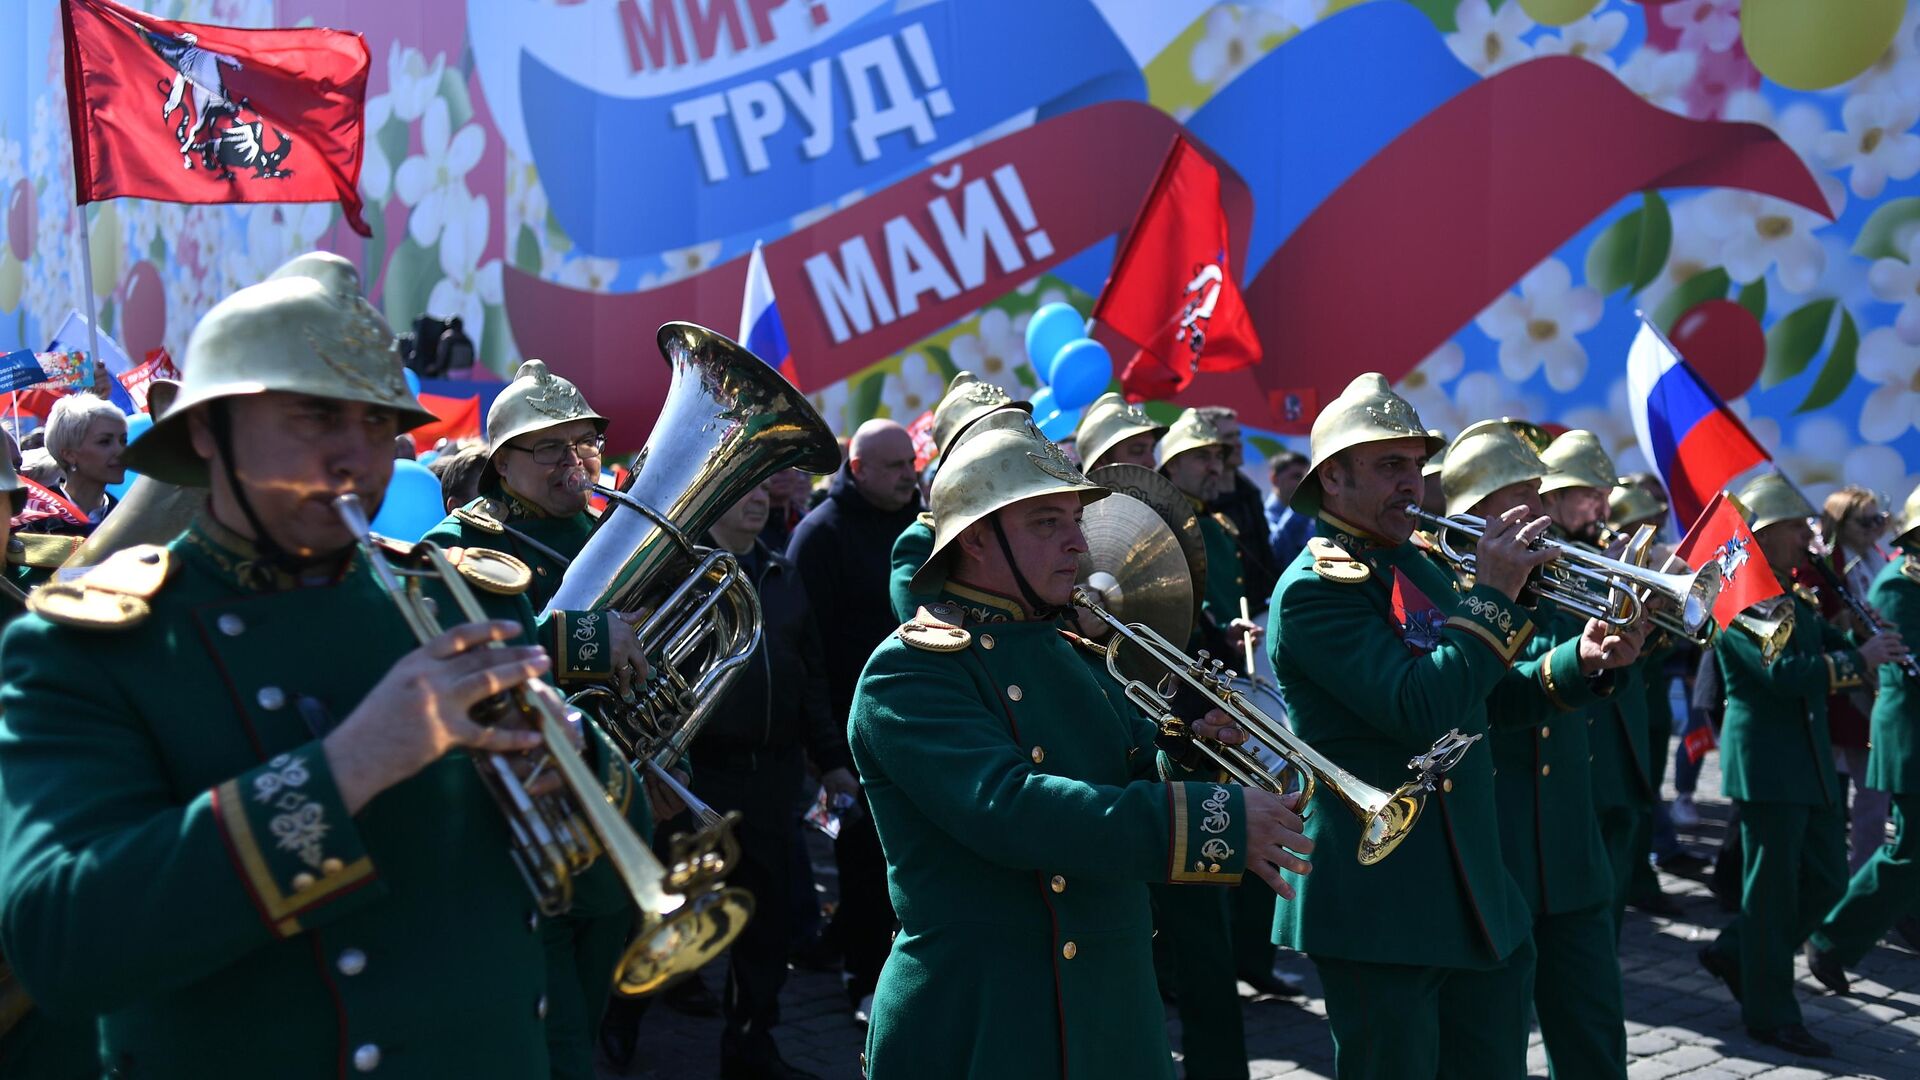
[[1039, 754], [1446, 785], [1069, 950], [331, 866], [1059, 884], [1545, 769], [986, 641], [1014, 693], [303, 881], [1545, 731]]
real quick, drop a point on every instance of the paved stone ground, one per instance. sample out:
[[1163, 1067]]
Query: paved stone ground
[[1680, 1021]]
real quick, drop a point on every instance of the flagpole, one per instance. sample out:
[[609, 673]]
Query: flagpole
[[86, 286]]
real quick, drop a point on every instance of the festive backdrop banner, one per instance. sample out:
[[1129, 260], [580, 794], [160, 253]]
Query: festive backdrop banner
[[1477, 198]]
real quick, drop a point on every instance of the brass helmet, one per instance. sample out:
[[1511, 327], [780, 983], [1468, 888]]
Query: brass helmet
[[1367, 411], [1532, 434], [1438, 457], [305, 330], [1110, 421], [1909, 519], [1484, 458], [1576, 459], [1190, 431], [1631, 504], [1003, 459], [535, 400], [1768, 499], [967, 399]]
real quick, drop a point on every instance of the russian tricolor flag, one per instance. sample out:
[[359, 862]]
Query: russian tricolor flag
[[760, 328], [1687, 433]]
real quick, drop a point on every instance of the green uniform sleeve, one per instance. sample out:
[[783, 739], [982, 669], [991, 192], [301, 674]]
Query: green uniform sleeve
[[113, 889], [580, 643], [1338, 638], [926, 729], [1846, 668], [1799, 671]]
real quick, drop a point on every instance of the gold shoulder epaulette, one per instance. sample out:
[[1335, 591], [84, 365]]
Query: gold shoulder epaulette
[[1910, 567], [478, 518], [1227, 523], [925, 518], [936, 628], [493, 571], [1811, 598], [1332, 562], [43, 551], [112, 596]]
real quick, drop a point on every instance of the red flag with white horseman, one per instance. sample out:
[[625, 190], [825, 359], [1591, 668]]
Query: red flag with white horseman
[[1172, 291], [1721, 534], [195, 113]]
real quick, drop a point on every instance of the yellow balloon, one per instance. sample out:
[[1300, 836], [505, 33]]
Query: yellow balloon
[[1810, 46], [13, 278], [1557, 12], [104, 244]]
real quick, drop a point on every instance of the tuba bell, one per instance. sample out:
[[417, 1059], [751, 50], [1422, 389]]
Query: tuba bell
[[729, 422]]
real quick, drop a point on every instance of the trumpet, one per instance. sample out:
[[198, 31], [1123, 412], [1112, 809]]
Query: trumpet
[[1386, 818], [686, 916], [1615, 591]]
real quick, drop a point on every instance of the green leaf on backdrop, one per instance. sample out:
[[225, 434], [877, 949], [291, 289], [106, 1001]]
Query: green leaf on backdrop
[[1441, 12], [1878, 238], [393, 138], [1705, 285], [863, 401], [1655, 240], [410, 277], [1753, 297], [943, 360], [526, 251], [1837, 372], [1793, 340], [106, 319], [1267, 446], [157, 251], [459, 106], [1161, 412], [1631, 251], [496, 355]]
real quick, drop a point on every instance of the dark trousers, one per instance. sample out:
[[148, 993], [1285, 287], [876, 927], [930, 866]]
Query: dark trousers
[[1577, 994], [765, 788], [1883, 891], [863, 923], [1195, 924], [1795, 868], [1397, 1022]]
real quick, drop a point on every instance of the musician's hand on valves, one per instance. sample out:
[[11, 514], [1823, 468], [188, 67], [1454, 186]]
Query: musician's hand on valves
[[630, 668], [1276, 841], [1604, 646], [420, 710], [1220, 728], [661, 799], [1506, 556], [1884, 647]]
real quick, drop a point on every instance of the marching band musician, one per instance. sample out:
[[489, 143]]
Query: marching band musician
[[1115, 432], [1193, 454], [543, 454], [1020, 813], [1548, 829], [1887, 888], [282, 865], [1778, 769], [1378, 656], [967, 400]]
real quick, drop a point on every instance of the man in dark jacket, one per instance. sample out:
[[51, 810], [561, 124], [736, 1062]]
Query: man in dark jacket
[[843, 550], [749, 757], [1240, 500]]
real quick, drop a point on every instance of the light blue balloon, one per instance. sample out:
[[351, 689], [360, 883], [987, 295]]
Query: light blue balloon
[[1051, 329], [1043, 403], [1080, 373], [426, 457], [413, 503], [137, 425], [1060, 423], [413, 381]]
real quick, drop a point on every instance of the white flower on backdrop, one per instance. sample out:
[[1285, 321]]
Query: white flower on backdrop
[[1482, 395], [1892, 365], [1425, 387], [1231, 41], [1490, 42], [1692, 251], [1591, 37], [1613, 426], [434, 179], [1758, 233], [993, 350], [1704, 25], [1897, 281], [1801, 126], [376, 172], [588, 272], [1660, 77], [688, 261], [916, 388], [1538, 328], [469, 284], [1878, 143], [412, 81], [831, 403], [1897, 71]]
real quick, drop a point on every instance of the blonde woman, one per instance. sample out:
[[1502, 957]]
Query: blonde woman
[[86, 436], [1852, 521]]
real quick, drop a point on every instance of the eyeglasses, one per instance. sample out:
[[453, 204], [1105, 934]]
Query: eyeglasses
[[553, 453]]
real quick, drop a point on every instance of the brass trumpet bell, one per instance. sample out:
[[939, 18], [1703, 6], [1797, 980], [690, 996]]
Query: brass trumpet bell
[[701, 929]]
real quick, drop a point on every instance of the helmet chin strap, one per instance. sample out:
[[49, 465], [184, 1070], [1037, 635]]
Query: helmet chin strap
[[1039, 608], [271, 555]]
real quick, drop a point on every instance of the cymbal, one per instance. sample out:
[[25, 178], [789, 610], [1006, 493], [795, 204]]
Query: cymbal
[[1174, 508], [1134, 562]]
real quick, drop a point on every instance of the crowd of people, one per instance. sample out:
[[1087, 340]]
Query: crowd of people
[[1029, 867]]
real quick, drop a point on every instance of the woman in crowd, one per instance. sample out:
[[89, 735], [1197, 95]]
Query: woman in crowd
[[86, 435]]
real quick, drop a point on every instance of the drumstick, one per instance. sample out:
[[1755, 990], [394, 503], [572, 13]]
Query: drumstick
[[1246, 642]]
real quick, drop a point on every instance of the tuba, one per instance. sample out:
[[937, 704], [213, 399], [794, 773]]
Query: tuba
[[729, 422]]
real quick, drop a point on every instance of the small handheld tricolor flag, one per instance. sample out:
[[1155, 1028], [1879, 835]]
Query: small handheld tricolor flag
[[760, 328], [1687, 433]]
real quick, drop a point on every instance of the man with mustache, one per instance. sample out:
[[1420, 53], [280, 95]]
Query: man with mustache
[[238, 822]]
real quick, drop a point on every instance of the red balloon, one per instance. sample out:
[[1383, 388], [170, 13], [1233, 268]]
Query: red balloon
[[143, 315], [1724, 343], [20, 222]]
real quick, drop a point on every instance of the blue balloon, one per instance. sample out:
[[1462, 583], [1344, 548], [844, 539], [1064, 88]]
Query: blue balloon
[[413, 380], [1060, 423], [1080, 373], [413, 503], [427, 457], [137, 425], [1051, 329], [1043, 403]]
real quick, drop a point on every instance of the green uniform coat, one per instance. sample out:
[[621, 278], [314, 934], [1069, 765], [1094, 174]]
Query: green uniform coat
[[910, 551], [175, 856], [1021, 818]]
